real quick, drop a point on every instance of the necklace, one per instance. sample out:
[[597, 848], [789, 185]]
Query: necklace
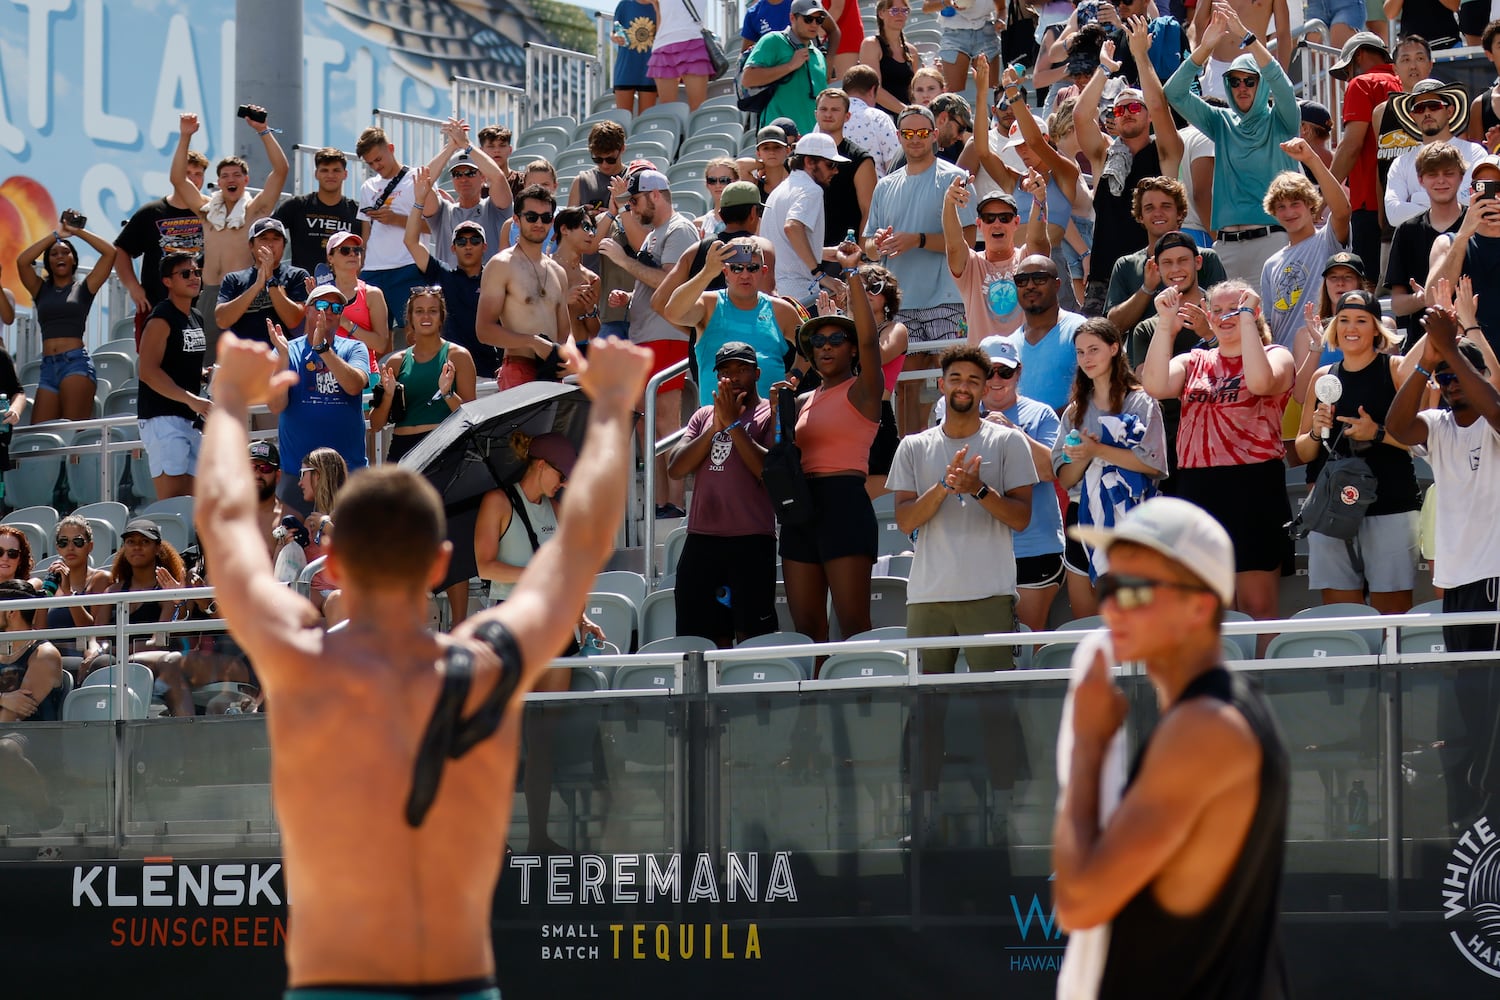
[[536, 277]]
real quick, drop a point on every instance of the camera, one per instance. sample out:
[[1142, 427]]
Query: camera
[[253, 113], [297, 530], [74, 219]]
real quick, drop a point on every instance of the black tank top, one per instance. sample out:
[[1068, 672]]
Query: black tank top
[[1116, 233], [1396, 479], [13, 673], [1487, 117], [840, 200], [895, 74], [1232, 949]]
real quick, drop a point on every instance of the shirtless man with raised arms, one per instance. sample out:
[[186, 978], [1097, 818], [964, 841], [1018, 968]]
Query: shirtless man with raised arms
[[226, 216], [392, 880], [523, 303], [1256, 15]]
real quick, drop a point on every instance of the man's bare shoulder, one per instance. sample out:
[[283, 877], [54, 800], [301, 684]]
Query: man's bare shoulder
[[1207, 740]]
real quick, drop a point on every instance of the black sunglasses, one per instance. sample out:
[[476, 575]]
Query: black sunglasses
[[1445, 379], [1242, 82], [78, 542], [990, 218], [537, 217], [837, 338], [10, 553], [743, 268], [349, 251], [812, 18], [188, 272], [599, 161], [1003, 373], [718, 180], [466, 173], [1131, 592], [1033, 278], [468, 241]]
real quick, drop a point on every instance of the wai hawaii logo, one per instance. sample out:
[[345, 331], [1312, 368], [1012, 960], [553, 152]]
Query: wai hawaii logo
[[1471, 897], [1041, 947]]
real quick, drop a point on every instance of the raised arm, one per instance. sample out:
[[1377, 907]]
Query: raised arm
[[869, 384], [1168, 139], [99, 273], [1091, 140], [1333, 192], [191, 197], [548, 600], [265, 202], [411, 233], [1161, 374], [955, 246], [690, 305], [1267, 372], [454, 136]]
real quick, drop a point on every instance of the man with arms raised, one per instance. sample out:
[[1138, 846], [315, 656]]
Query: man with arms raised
[[1187, 869], [394, 880], [523, 307]]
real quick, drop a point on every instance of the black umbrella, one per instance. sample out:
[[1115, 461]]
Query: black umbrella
[[469, 454]]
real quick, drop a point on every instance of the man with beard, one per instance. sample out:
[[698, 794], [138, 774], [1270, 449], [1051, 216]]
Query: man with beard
[[1437, 110], [965, 487], [265, 466], [1045, 341], [523, 307]]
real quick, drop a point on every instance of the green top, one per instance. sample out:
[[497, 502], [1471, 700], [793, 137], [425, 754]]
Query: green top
[[796, 96], [421, 381]]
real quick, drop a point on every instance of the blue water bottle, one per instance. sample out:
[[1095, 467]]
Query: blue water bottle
[[1073, 440]]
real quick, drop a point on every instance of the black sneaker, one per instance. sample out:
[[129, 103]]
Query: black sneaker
[[664, 510]]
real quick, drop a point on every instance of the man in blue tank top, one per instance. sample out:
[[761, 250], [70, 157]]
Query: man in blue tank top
[[1186, 870]]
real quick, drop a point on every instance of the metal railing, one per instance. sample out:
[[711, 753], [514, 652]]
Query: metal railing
[[648, 532], [305, 171], [417, 138], [481, 103], [1318, 83], [560, 82]]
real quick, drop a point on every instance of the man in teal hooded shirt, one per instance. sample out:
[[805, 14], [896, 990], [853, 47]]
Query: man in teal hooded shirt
[[1247, 138]]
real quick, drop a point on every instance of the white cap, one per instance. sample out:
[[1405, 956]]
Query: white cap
[[1183, 532], [820, 144]]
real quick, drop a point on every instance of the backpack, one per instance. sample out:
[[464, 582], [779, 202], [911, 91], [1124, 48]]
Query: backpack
[[755, 99], [1169, 46], [1336, 504]]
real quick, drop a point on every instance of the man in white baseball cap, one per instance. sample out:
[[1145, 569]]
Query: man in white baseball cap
[[802, 248], [1196, 845]]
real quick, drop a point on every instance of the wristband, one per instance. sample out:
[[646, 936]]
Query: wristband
[[322, 348], [263, 132], [1425, 373], [1469, 328], [1248, 40], [921, 241]]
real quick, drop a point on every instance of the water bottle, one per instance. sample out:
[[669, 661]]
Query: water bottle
[[722, 595], [1073, 440], [50, 583], [849, 237], [1359, 808], [5, 405], [948, 11]]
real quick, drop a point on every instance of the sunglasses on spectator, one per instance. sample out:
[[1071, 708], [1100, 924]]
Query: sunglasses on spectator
[[1242, 82], [589, 230], [915, 133], [812, 18], [1445, 379], [1033, 278], [466, 173], [990, 218], [323, 305], [1427, 106], [1131, 592], [599, 161], [899, 11], [264, 468], [188, 272], [875, 286], [537, 217], [719, 181], [743, 268], [837, 338], [1129, 108], [348, 251], [1002, 373], [10, 553], [77, 541], [468, 241]]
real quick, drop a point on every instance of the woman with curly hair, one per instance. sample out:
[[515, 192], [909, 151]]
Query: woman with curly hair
[[1122, 454], [146, 562]]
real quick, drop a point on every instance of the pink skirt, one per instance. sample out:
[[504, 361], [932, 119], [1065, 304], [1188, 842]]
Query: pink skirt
[[689, 58]]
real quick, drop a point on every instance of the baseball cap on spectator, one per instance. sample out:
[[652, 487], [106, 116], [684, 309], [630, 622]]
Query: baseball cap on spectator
[[1016, 139], [735, 350], [1126, 95], [820, 144], [1492, 161], [264, 450], [739, 193], [647, 180], [1183, 532], [324, 291], [1344, 258], [1362, 300], [556, 450], [771, 133], [469, 224], [635, 166], [1001, 352], [1175, 238], [804, 7], [917, 109], [1316, 114], [268, 224], [1471, 353], [341, 237], [1000, 196], [806, 330], [462, 160], [788, 127], [1359, 40], [143, 526]]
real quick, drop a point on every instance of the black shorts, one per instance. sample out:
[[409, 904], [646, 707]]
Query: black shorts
[[403, 443], [1075, 556], [1250, 502], [726, 585], [883, 449], [843, 523], [1038, 572]]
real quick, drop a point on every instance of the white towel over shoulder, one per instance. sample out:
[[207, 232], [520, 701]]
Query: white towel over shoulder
[[1083, 962]]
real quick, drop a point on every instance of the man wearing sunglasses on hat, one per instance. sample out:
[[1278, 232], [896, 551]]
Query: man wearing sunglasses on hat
[[170, 403], [1186, 870], [739, 313], [471, 170], [1438, 112], [267, 290], [460, 281]]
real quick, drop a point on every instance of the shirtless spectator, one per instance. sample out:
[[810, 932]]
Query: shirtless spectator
[[1257, 17], [523, 307], [158, 227], [229, 213]]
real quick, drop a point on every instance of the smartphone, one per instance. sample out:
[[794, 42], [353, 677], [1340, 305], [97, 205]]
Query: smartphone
[[743, 254], [1088, 12], [254, 114], [1482, 189], [78, 221]]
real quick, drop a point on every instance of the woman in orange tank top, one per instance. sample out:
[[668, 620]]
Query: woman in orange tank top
[[836, 425]]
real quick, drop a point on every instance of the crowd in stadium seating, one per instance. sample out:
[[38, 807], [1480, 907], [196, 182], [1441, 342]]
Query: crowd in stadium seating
[[1112, 236]]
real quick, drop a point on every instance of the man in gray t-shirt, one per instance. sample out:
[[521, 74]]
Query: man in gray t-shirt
[[965, 488], [470, 170]]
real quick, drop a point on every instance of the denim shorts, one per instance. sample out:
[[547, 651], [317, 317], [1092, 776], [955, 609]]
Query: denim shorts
[[971, 42], [1072, 257], [171, 445], [56, 367], [1331, 12]]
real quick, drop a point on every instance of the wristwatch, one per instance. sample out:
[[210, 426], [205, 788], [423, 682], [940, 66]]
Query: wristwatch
[[323, 348], [982, 492], [1379, 434]]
